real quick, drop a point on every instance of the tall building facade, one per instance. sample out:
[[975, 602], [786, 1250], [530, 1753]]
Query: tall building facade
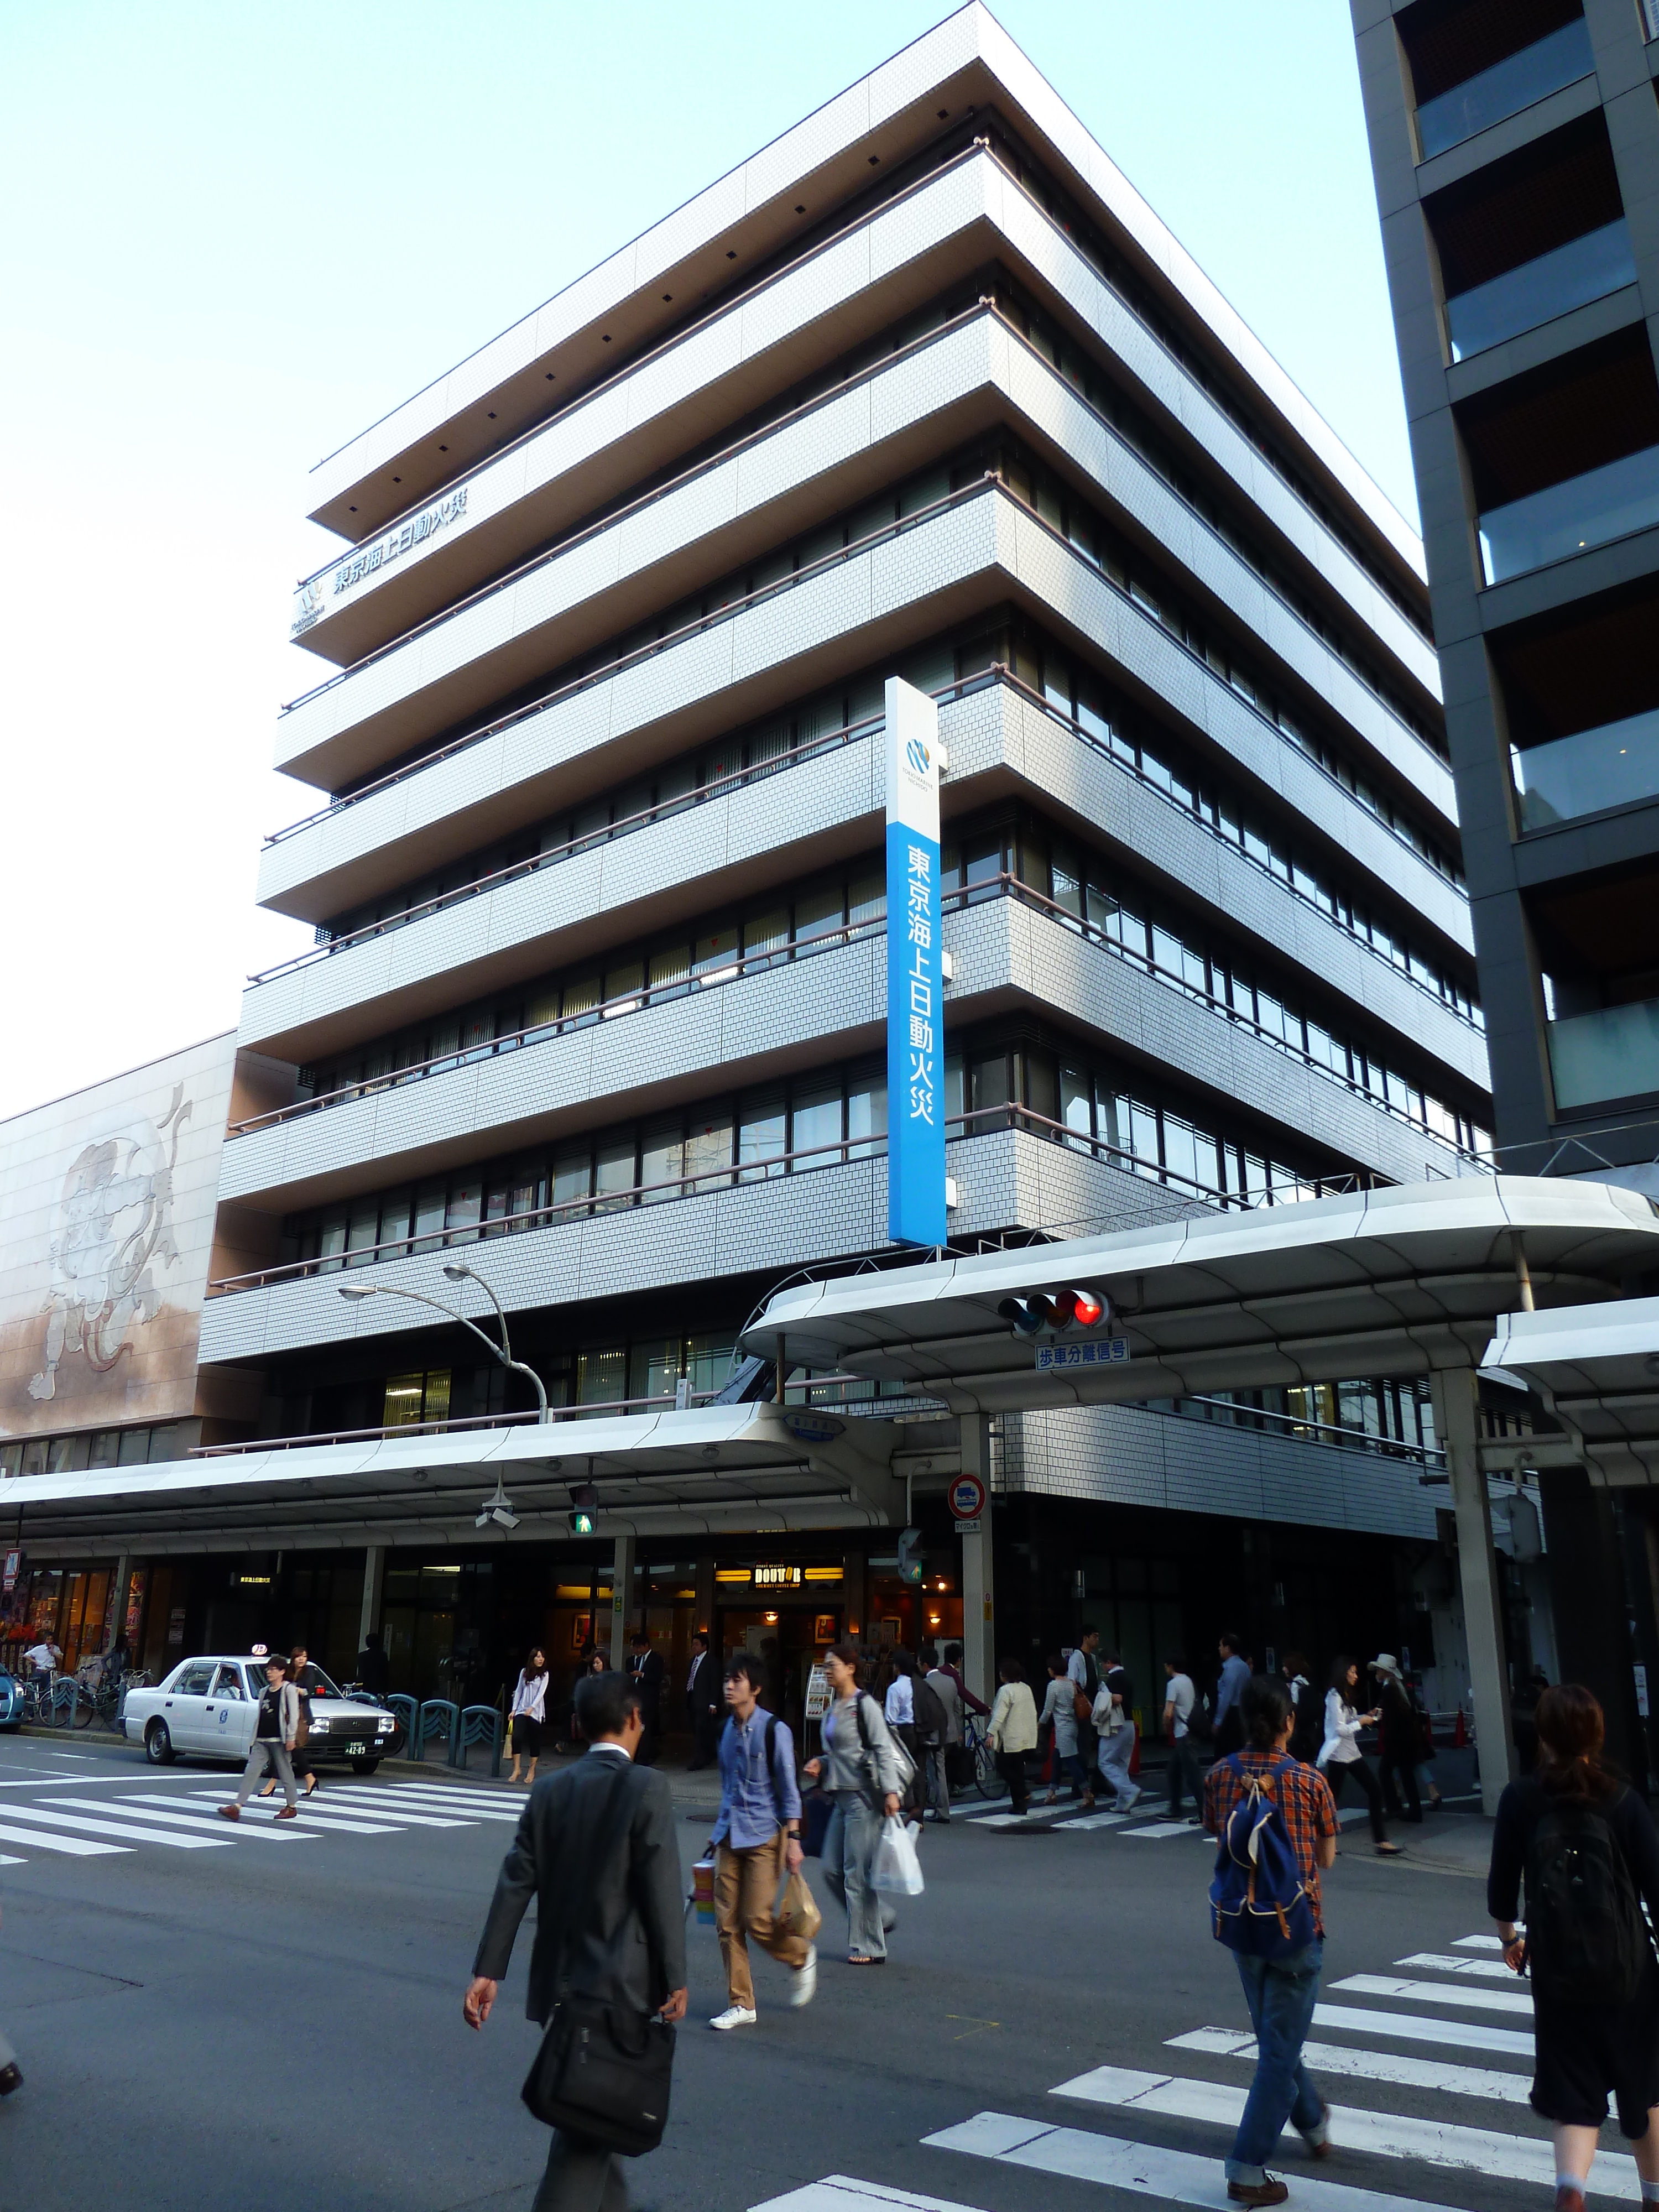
[[1517, 156], [595, 861], [1516, 150]]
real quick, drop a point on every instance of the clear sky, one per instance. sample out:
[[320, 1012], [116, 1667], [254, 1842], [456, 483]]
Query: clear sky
[[237, 234]]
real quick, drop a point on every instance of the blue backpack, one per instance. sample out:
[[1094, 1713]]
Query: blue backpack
[[1258, 1897]]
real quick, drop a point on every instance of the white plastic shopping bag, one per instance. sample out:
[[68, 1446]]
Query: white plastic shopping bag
[[897, 1868]]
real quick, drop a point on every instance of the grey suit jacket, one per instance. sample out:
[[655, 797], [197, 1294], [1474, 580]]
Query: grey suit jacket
[[630, 1949]]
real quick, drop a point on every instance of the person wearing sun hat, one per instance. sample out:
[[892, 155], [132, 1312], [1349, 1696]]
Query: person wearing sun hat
[[1397, 1741]]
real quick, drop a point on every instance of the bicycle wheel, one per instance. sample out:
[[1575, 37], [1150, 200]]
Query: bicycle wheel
[[987, 1780], [85, 1708]]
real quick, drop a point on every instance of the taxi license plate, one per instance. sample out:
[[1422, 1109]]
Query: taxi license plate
[[355, 1750]]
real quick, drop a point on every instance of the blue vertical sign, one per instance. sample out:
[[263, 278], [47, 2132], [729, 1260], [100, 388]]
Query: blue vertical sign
[[915, 1025]]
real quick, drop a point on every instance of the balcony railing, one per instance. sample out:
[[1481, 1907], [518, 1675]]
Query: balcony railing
[[1536, 292], [980, 1122], [1613, 1053], [1612, 501], [1229, 1414], [1587, 773], [1515, 83]]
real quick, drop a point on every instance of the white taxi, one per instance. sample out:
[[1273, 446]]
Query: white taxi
[[207, 1709]]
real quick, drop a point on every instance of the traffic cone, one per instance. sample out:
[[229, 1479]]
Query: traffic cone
[[1460, 1734]]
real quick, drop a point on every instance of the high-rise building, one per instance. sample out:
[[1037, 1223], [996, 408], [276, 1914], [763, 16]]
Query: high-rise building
[[596, 1007], [1515, 149]]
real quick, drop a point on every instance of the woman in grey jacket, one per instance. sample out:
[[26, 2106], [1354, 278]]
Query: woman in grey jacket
[[860, 1772]]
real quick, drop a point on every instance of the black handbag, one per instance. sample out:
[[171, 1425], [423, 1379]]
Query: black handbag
[[603, 2072], [816, 1807]]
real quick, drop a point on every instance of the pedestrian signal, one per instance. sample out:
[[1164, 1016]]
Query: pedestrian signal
[[909, 1556], [1052, 1313], [584, 1503]]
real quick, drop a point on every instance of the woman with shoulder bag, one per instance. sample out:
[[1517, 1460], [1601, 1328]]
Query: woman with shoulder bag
[[1059, 1713], [1339, 1755], [862, 1775], [1589, 1853]]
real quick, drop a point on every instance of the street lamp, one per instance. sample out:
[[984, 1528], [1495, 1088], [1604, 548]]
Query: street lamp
[[458, 1274]]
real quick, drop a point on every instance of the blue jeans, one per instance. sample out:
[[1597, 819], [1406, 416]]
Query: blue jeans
[[1281, 1994]]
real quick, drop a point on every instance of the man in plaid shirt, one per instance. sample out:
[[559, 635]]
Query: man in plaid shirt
[[1280, 1992]]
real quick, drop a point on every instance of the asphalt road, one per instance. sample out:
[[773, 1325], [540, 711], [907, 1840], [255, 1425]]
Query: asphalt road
[[245, 2019]]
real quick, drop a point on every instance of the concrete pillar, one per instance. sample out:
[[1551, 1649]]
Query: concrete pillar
[[979, 1636], [622, 1599], [705, 1600], [1455, 1427], [373, 1584], [123, 1585]]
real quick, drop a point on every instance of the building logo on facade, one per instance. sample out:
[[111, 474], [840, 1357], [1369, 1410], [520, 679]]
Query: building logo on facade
[[916, 1022], [391, 547], [113, 1229], [308, 606]]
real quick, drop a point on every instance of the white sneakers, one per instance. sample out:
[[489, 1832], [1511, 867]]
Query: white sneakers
[[803, 1986], [733, 2016]]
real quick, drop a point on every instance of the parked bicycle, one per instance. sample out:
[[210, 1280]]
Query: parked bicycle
[[987, 1780]]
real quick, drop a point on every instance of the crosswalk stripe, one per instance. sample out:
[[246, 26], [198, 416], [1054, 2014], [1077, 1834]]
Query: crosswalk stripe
[[6, 1859], [1386, 1985], [839, 2193], [79, 1847], [470, 1798], [1092, 1820], [268, 1810], [1172, 2177], [134, 1808], [85, 1826], [442, 1810], [349, 1807], [1478, 1943], [1489, 2081], [1443, 1962], [1164, 1828], [1387, 2135], [1412, 2028]]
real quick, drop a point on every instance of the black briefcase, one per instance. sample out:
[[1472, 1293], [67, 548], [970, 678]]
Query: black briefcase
[[604, 2073]]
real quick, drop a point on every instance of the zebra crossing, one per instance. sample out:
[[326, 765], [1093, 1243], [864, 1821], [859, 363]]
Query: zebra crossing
[[1149, 1827], [1477, 2073], [64, 1820]]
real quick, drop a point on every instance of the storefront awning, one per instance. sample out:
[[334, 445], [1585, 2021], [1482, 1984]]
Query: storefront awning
[[710, 1469], [1388, 1282], [1597, 1368]]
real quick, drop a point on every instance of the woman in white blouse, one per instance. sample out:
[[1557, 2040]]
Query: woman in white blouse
[[1339, 1755], [529, 1713]]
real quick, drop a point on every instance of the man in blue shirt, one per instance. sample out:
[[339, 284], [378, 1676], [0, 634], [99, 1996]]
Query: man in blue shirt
[[1235, 1673], [757, 1839]]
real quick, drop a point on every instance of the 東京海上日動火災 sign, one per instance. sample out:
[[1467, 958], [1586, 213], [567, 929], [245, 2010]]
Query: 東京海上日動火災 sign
[[915, 1027]]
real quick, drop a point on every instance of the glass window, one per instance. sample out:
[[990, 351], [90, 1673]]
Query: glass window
[[866, 899], [662, 1154], [1042, 1094], [601, 1376], [1143, 1134], [670, 970], [653, 1369], [818, 1122], [866, 1111], [227, 1684], [477, 1035], [105, 1448], [766, 932], [708, 1146], [461, 1215], [988, 1089], [714, 957], [437, 1394], [195, 1680], [1068, 880], [709, 1361], [498, 1200], [363, 1232], [769, 745], [165, 1442], [580, 998], [623, 985], [760, 1135], [331, 1243], [1076, 1096], [819, 914], [394, 1225], [403, 1397], [1168, 950], [955, 1074], [1110, 1126], [573, 1176], [981, 865], [614, 1172]]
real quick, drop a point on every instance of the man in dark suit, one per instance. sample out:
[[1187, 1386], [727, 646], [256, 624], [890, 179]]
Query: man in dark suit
[[704, 1699], [630, 1950], [645, 1671]]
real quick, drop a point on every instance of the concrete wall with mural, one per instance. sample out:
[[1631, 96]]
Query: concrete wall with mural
[[107, 1231]]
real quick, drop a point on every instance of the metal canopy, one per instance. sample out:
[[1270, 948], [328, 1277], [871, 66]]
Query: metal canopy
[[1400, 1281], [1597, 1370], [759, 1467]]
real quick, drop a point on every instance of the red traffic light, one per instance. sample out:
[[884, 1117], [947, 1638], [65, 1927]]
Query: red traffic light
[[1051, 1313]]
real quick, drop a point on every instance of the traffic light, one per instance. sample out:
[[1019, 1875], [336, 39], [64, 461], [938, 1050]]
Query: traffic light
[[910, 1556], [1053, 1313], [584, 1504]]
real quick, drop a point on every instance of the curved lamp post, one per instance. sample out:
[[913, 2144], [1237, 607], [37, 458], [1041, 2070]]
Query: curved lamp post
[[458, 1274]]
